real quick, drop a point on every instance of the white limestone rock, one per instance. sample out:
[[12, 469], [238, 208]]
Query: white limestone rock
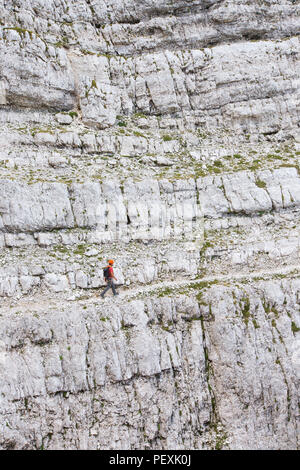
[[163, 92], [63, 118]]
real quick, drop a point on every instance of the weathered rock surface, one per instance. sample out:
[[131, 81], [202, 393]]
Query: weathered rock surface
[[162, 372], [164, 135]]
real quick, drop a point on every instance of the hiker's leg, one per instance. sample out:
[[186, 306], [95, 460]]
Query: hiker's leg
[[113, 287], [106, 289]]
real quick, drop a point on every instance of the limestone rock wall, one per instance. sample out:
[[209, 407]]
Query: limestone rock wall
[[218, 371], [164, 135], [145, 210], [204, 83], [107, 64]]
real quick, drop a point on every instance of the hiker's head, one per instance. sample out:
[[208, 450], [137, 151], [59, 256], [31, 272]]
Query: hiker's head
[[110, 261]]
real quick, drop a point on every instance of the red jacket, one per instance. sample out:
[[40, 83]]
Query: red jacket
[[110, 272]]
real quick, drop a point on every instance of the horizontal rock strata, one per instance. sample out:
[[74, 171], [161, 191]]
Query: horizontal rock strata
[[164, 135]]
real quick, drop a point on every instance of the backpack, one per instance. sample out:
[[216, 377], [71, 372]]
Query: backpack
[[106, 272]]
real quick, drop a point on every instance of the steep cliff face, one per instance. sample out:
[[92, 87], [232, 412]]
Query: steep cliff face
[[164, 135], [213, 366]]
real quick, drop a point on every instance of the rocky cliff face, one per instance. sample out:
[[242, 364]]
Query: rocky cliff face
[[164, 135]]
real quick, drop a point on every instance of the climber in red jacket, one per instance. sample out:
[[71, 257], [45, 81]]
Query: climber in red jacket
[[109, 278]]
